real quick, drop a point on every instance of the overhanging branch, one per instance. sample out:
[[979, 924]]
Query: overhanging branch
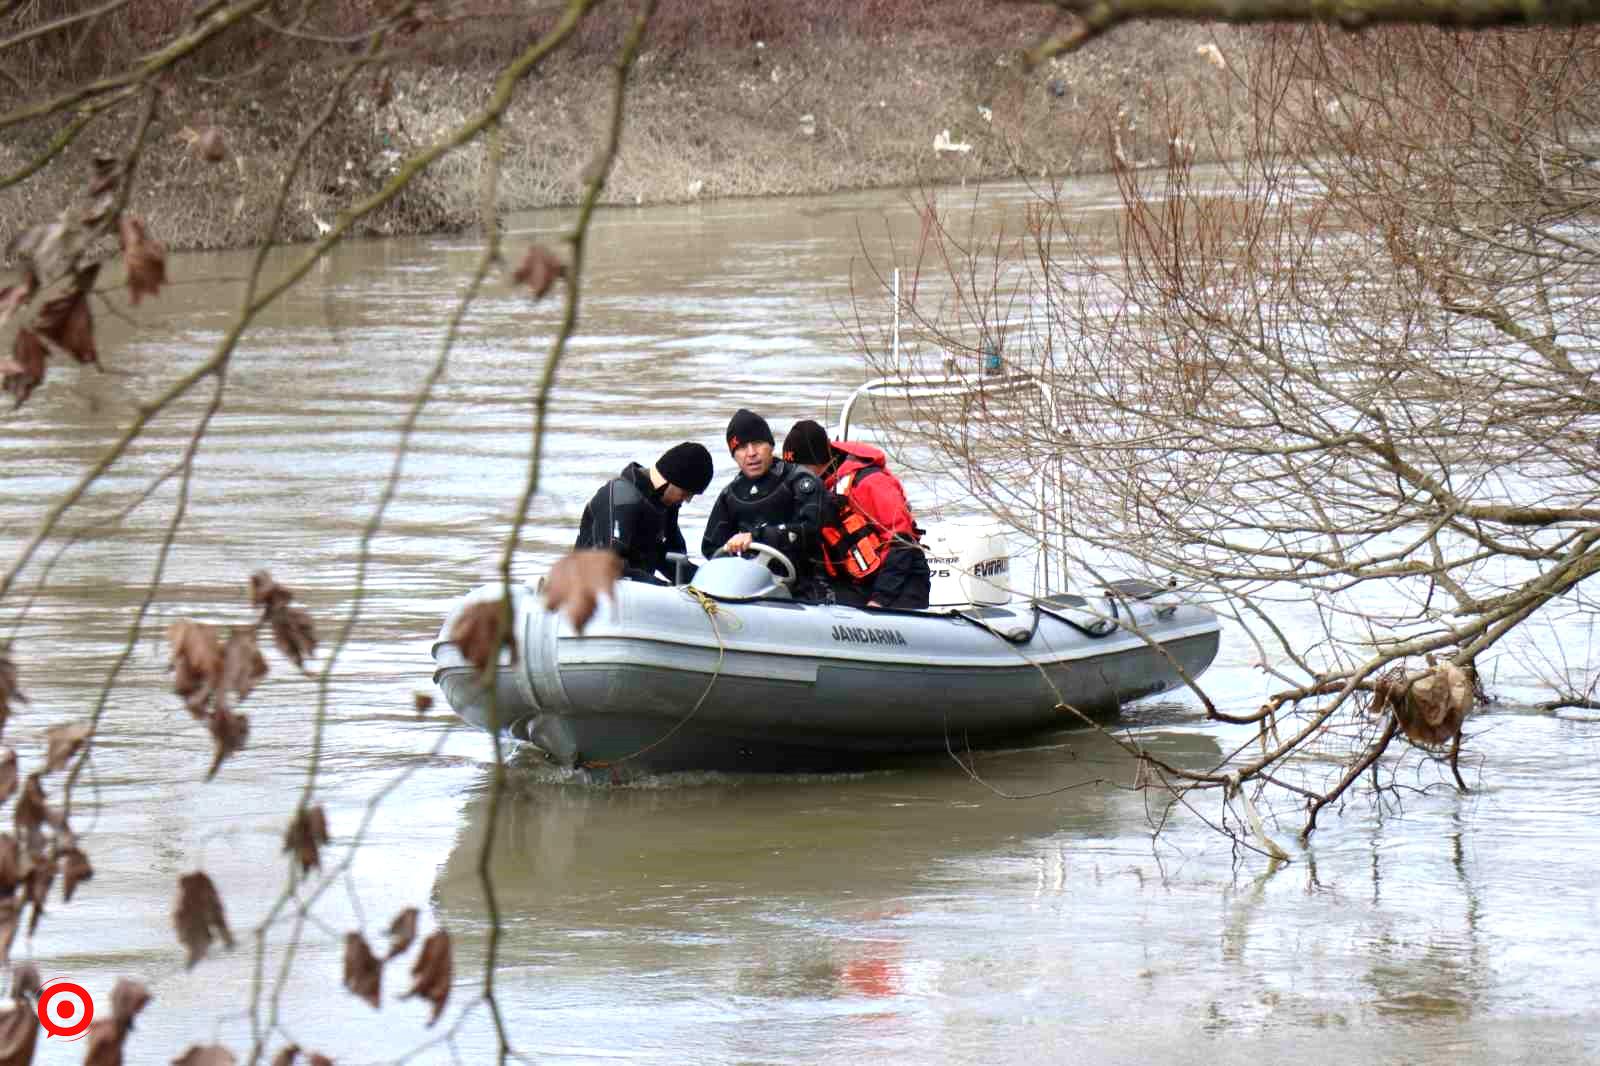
[[1095, 17]]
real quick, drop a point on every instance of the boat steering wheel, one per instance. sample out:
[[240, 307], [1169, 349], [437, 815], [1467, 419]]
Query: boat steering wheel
[[768, 554]]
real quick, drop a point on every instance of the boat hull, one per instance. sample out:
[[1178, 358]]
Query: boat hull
[[669, 681]]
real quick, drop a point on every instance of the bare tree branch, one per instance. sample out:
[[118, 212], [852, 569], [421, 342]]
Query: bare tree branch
[[1096, 17], [1351, 372]]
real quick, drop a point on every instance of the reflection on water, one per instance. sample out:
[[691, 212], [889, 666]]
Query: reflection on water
[[912, 915], [662, 851], [914, 910]]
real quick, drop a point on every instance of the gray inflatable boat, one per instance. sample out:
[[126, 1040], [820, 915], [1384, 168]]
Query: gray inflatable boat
[[730, 673]]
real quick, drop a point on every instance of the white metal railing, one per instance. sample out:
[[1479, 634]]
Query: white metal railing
[[935, 388]]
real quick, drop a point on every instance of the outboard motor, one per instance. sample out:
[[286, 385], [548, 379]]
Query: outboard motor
[[968, 566]]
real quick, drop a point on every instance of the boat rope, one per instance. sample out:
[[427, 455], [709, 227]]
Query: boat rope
[[713, 610], [1102, 626], [1010, 636]]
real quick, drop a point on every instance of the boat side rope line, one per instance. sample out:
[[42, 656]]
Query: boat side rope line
[[1102, 627], [1015, 636], [713, 610]]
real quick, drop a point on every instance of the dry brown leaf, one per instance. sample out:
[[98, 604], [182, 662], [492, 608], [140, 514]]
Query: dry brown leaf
[[294, 633], [267, 593], [32, 810], [286, 1057], [539, 270], [10, 918], [75, 869], [577, 582], [8, 692], [105, 1043], [402, 931], [432, 973], [10, 864], [306, 835], [67, 323], [363, 973], [19, 1032], [424, 704], [198, 916], [207, 1055], [145, 259], [37, 887], [31, 847], [196, 663], [128, 998], [242, 663], [196, 643], [229, 731], [8, 773], [25, 981], [63, 741], [477, 633], [24, 371], [208, 145]]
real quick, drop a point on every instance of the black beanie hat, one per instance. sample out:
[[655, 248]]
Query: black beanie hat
[[686, 465], [746, 426], [807, 442]]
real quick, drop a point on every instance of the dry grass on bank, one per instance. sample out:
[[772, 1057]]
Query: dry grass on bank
[[813, 96], [823, 116], [475, 33]]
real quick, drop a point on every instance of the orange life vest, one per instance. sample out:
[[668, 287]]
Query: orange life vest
[[852, 543]]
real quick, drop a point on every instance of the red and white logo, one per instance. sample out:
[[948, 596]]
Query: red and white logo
[[65, 1009]]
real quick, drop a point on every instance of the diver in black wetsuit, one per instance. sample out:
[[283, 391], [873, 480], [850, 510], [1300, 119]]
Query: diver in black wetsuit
[[636, 513], [775, 503]]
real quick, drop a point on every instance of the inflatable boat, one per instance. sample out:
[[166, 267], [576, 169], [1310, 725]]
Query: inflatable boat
[[728, 672]]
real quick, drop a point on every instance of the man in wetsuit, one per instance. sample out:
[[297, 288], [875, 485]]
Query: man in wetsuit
[[770, 502], [635, 514]]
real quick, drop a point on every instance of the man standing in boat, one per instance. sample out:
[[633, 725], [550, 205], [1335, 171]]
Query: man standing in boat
[[870, 542], [778, 504], [636, 513]]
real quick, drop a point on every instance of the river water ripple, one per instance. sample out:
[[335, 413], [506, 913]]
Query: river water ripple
[[910, 915]]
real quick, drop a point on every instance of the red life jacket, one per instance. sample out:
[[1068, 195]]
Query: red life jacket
[[852, 543]]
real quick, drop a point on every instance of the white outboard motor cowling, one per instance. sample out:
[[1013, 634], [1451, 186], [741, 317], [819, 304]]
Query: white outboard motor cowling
[[968, 566]]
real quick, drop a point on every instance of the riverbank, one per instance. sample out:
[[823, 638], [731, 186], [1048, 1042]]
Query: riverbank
[[817, 115]]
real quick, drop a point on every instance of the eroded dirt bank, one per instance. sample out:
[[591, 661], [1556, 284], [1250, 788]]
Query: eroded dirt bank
[[816, 117]]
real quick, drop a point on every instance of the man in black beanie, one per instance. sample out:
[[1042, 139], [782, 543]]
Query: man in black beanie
[[871, 548], [636, 513], [777, 504]]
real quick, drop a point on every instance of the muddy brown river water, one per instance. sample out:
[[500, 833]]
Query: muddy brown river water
[[910, 915]]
